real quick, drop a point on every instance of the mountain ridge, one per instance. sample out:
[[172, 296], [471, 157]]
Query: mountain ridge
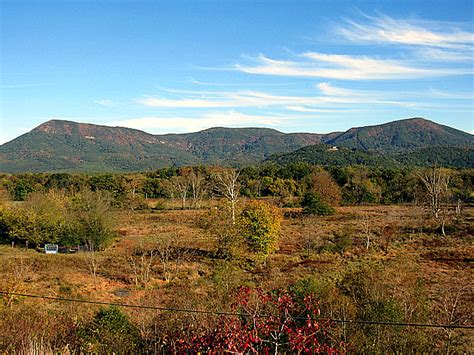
[[59, 145]]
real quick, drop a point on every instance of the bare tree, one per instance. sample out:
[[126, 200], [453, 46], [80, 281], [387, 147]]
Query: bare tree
[[170, 256], [229, 186], [198, 186], [181, 187], [141, 257], [92, 259], [437, 194]]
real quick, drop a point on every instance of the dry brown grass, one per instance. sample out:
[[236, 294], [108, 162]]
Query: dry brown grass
[[400, 238]]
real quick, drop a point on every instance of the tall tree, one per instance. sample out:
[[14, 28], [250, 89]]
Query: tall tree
[[229, 186]]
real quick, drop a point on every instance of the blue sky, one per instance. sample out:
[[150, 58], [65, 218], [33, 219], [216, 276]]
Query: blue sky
[[181, 66]]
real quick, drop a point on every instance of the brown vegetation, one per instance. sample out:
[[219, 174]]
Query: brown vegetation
[[366, 262]]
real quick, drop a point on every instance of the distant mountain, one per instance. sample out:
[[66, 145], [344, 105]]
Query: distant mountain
[[413, 142], [76, 147], [325, 155], [403, 136], [69, 146]]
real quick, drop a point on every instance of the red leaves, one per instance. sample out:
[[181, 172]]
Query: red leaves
[[269, 321]]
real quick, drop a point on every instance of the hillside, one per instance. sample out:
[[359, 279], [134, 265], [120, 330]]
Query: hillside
[[452, 157], [323, 154], [70, 146], [76, 147], [403, 136]]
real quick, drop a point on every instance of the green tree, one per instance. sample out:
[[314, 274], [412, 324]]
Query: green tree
[[94, 220], [21, 190], [312, 204]]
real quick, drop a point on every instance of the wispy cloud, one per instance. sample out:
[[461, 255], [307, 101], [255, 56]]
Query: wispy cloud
[[325, 97], [105, 102], [345, 67], [387, 30], [421, 49], [223, 99]]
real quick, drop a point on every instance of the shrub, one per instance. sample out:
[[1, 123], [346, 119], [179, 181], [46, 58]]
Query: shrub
[[271, 322], [42, 219], [21, 190], [218, 225], [312, 204], [110, 331], [259, 224]]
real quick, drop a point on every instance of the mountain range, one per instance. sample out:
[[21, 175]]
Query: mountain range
[[65, 146]]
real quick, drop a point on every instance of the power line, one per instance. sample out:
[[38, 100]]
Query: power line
[[187, 310]]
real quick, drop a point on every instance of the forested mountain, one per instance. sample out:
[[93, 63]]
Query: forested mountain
[[69, 146], [323, 154], [403, 136]]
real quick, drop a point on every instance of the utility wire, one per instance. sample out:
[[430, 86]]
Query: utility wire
[[185, 310]]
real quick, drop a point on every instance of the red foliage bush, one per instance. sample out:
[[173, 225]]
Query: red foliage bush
[[268, 322]]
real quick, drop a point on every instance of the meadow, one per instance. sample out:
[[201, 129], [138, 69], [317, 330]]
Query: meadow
[[366, 262]]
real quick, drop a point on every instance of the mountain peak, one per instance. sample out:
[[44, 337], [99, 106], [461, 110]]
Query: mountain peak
[[52, 126], [403, 135]]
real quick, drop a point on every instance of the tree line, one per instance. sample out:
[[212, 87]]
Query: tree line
[[286, 183]]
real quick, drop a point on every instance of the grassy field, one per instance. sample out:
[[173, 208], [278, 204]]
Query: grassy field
[[391, 256]]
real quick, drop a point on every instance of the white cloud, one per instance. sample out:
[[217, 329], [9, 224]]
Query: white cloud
[[445, 55], [222, 99], [425, 48], [105, 102], [385, 29], [325, 98], [345, 67]]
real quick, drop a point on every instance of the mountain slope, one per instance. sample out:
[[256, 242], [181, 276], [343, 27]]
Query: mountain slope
[[403, 136], [69, 146], [415, 142], [325, 155], [236, 146], [76, 147]]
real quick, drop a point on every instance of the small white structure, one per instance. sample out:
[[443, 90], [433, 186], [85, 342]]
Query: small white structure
[[51, 248]]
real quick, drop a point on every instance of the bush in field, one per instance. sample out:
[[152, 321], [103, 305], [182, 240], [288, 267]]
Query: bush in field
[[110, 332], [271, 322], [259, 224], [218, 225], [312, 204], [21, 190], [366, 285]]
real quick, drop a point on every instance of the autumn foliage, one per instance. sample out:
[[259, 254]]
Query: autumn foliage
[[259, 225], [268, 322], [326, 188]]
